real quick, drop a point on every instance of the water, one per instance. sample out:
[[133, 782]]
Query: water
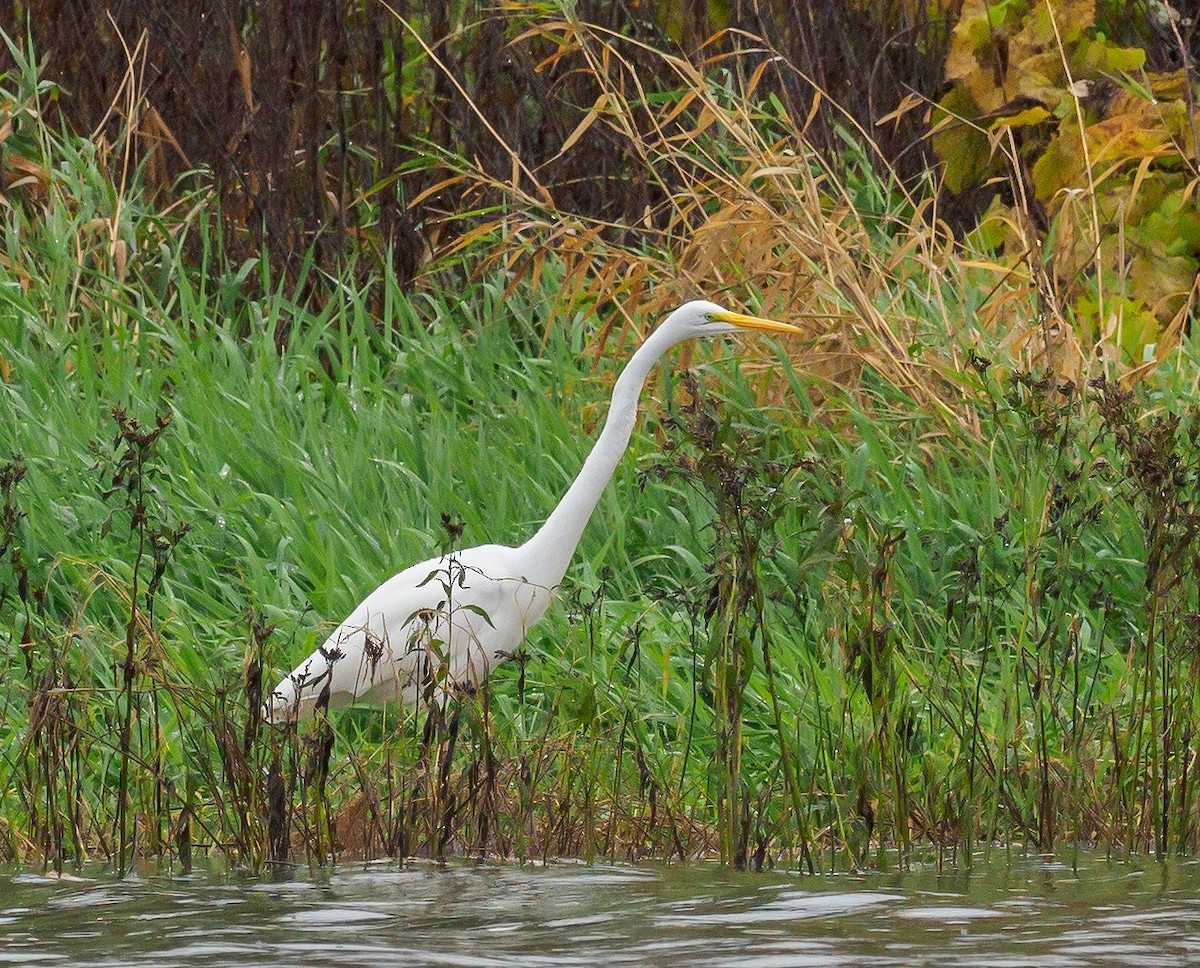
[[1026, 912]]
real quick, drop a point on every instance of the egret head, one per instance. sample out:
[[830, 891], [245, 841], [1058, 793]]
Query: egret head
[[703, 318]]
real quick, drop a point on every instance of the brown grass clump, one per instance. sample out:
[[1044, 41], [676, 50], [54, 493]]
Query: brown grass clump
[[749, 211], [750, 214]]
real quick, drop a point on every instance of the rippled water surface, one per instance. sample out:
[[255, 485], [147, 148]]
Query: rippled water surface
[[1019, 912]]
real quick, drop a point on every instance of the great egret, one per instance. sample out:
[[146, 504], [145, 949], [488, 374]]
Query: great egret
[[444, 623]]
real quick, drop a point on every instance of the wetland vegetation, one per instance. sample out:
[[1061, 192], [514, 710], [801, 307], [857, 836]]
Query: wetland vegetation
[[927, 582]]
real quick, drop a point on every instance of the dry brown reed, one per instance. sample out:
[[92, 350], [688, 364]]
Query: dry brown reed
[[751, 213]]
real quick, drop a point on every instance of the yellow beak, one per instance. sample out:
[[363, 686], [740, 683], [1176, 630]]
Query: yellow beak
[[754, 322]]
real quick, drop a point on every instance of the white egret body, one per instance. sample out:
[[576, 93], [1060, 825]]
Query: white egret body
[[446, 622]]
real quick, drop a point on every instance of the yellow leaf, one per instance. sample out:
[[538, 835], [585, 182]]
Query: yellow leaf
[[1126, 137], [1162, 281], [588, 120], [1060, 165], [971, 34], [1022, 119]]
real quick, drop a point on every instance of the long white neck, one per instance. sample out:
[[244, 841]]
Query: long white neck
[[550, 550]]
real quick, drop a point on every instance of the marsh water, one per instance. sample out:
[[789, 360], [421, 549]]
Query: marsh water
[[1007, 912]]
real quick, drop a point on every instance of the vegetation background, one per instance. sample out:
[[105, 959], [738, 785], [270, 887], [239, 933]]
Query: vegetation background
[[292, 294]]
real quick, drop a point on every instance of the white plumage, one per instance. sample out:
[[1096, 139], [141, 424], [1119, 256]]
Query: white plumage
[[445, 623]]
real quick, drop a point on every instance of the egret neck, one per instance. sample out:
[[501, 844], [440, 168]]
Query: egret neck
[[553, 545]]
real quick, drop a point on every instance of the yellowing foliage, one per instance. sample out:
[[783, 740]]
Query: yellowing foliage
[[1102, 159]]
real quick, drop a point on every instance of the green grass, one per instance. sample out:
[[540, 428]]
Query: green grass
[[972, 638], [951, 659]]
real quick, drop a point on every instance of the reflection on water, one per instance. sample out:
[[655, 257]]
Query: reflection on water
[[1023, 913]]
